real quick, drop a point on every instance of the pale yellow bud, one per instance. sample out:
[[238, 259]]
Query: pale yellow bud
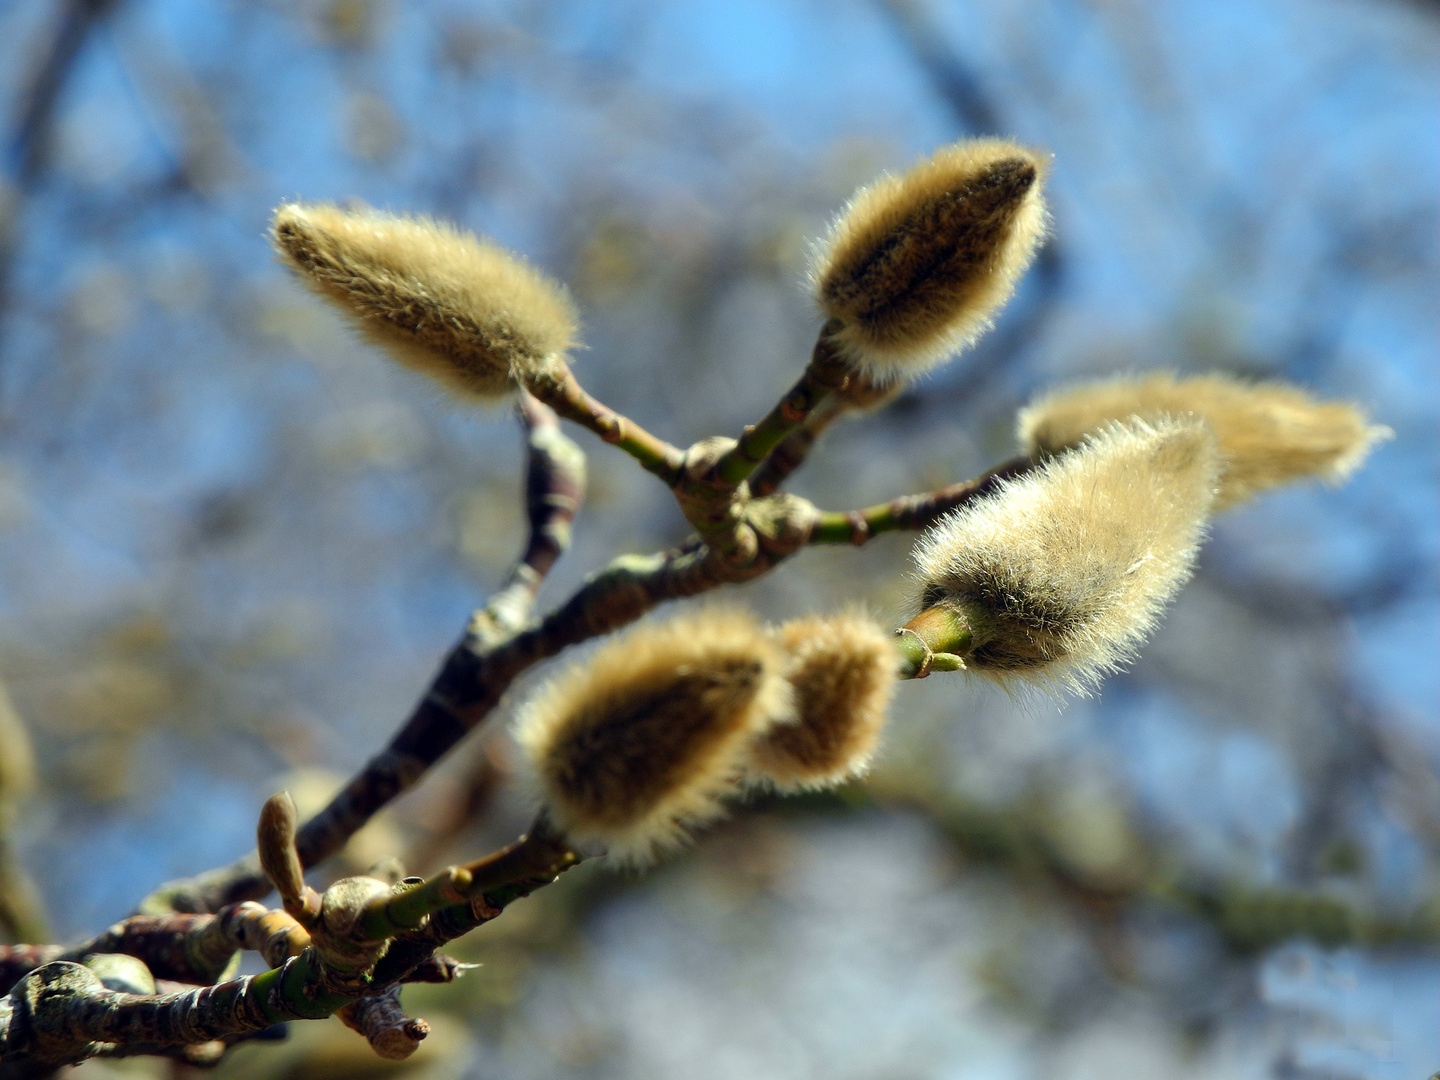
[[1269, 434], [843, 671], [442, 301], [641, 742], [917, 264], [1062, 573]]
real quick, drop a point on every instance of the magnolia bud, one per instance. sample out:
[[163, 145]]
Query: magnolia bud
[[1269, 434], [917, 264], [642, 741], [843, 671], [442, 301], [1060, 575]]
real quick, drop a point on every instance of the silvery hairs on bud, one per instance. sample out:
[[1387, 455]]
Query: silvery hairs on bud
[[442, 301], [1063, 573], [639, 743], [1269, 434], [917, 264], [843, 670]]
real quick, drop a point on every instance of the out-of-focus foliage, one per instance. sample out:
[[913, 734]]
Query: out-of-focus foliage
[[236, 542]]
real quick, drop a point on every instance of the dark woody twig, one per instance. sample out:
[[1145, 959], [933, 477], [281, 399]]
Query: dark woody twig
[[382, 1021], [554, 490], [62, 1013], [555, 487], [18, 960]]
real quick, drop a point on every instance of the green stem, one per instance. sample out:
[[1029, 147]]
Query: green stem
[[560, 390], [935, 640], [540, 853], [910, 511], [825, 373]]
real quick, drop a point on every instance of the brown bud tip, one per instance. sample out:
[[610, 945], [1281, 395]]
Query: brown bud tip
[[917, 264], [640, 743], [843, 671], [440, 300], [1269, 434], [398, 1043], [275, 839], [1062, 574]]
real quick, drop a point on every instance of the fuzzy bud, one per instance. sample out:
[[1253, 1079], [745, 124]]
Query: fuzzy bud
[[439, 300], [642, 741], [1269, 434], [1063, 572], [916, 264], [843, 671]]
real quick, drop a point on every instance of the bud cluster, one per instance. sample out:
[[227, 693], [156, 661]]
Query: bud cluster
[[643, 742], [916, 265]]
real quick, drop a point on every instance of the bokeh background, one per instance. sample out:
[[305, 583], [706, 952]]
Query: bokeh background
[[236, 542]]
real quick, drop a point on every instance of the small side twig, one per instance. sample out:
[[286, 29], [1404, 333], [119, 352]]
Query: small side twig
[[560, 390], [826, 373], [382, 1020], [858, 394], [790, 453], [554, 490], [911, 511]]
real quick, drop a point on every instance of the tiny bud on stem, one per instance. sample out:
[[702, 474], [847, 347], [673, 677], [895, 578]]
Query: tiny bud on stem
[[275, 841]]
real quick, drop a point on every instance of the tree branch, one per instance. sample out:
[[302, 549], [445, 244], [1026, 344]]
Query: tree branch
[[554, 490], [61, 1012], [826, 372], [911, 511], [562, 392]]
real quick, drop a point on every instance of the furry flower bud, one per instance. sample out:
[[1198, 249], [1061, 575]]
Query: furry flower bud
[[641, 742], [1269, 434], [439, 300], [1063, 573], [843, 671], [917, 264]]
